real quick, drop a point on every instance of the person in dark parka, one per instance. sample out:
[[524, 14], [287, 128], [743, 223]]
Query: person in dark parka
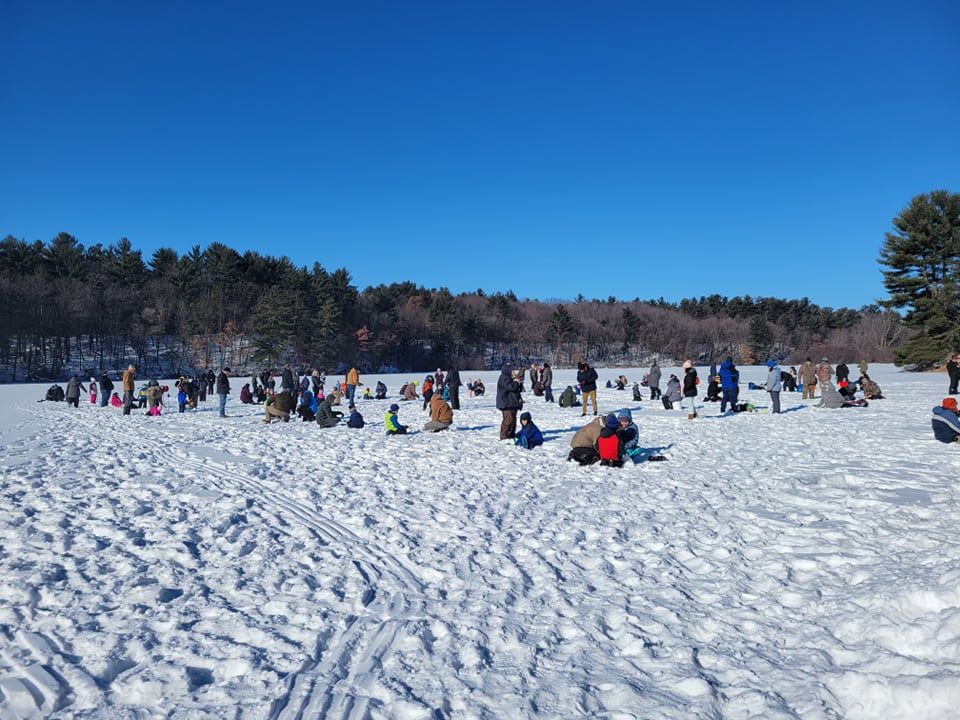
[[953, 372], [529, 436], [509, 402], [546, 377], [106, 388], [74, 388], [223, 389], [653, 380], [946, 424], [453, 382], [729, 383], [587, 379]]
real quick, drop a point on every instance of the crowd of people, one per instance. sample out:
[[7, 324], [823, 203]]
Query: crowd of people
[[609, 438]]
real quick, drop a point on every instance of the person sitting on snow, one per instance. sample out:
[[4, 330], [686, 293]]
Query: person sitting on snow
[[529, 435], [381, 393], [307, 409], [608, 444], [637, 397], [629, 432], [392, 423], [355, 420], [246, 397], [367, 395], [831, 399], [327, 417], [672, 394], [871, 391], [583, 441], [479, 388], [441, 415], [946, 423]]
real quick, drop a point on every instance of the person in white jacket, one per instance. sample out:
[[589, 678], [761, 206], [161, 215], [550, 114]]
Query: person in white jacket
[[773, 385]]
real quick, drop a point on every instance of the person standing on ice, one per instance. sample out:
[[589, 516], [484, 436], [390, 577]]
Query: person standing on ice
[[546, 378], [946, 424], [129, 377], [453, 382], [508, 402], [808, 378], [286, 379], [729, 384], [843, 372], [106, 387], [73, 391], [353, 379], [653, 380], [587, 379], [93, 391], [690, 381], [953, 371], [824, 371], [773, 385], [223, 389]]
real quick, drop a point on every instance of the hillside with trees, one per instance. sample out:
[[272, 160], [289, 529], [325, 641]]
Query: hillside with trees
[[70, 308]]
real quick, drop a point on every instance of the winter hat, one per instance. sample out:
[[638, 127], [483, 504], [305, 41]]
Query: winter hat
[[771, 364], [394, 408], [687, 364], [612, 421], [526, 416], [950, 404], [624, 414]]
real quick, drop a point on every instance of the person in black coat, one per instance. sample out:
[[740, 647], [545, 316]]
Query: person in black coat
[[211, 379], [690, 382], [286, 379], [587, 379], [953, 371], [509, 402], [106, 388], [546, 377], [223, 389], [453, 382], [843, 372]]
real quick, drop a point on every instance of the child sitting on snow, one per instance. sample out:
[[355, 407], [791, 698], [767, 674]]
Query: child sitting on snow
[[609, 446], [529, 435], [392, 423], [356, 419], [381, 391], [115, 401], [367, 395]]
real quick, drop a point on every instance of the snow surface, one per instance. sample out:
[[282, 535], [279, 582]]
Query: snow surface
[[801, 565]]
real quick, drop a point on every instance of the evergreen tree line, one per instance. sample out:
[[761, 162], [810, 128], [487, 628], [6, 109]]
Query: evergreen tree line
[[68, 308]]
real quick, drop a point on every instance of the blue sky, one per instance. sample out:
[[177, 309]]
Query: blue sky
[[551, 148]]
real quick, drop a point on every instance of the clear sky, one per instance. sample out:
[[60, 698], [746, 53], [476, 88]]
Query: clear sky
[[551, 148]]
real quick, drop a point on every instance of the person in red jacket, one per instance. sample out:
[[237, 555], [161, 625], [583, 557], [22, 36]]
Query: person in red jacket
[[609, 445]]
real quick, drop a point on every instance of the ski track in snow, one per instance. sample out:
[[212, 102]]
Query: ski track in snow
[[802, 565]]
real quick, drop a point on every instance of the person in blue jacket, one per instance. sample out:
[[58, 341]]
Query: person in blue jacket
[[729, 383], [529, 436], [356, 419], [946, 424], [391, 422], [773, 385]]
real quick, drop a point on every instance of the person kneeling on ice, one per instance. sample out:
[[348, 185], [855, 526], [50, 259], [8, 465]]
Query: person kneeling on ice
[[392, 423], [529, 435], [946, 423], [355, 420], [381, 391], [441, 415], [608, 444], [568, 398], [629, 432], [307, 409], [583, 441], [327, 417], [279, 406]]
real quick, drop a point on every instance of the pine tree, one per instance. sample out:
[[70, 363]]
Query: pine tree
[[923, 257]]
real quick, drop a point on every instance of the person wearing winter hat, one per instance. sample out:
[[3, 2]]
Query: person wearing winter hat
[[587, 380], [391, 422], [609, 446], [824, 371], [529, 435], [628, 431], [690, 382], [773, 385], [355, 420], [946, 423]]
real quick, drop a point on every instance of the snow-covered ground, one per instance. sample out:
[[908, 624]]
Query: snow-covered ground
[[800, 565]]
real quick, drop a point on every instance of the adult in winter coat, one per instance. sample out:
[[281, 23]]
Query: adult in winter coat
[[129, 377], [673, 393], [212, 381], [808, 377], [587, 378], [509, 402], [953, 372], [327, 417], [409, 392], [74, 388], [653, 380], [608, 444], [582, 443], [106, 388], [454, 383], [729, 384], [871, 391], [568, 398], [353, 380], [529, 436], [223, 389], [843, 372], [441, 415], [690, 381], [824, 371], [279, 406], [946, 424], [307, 408], [546, 379], [773, 385], [246, 397], [381, 391]]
